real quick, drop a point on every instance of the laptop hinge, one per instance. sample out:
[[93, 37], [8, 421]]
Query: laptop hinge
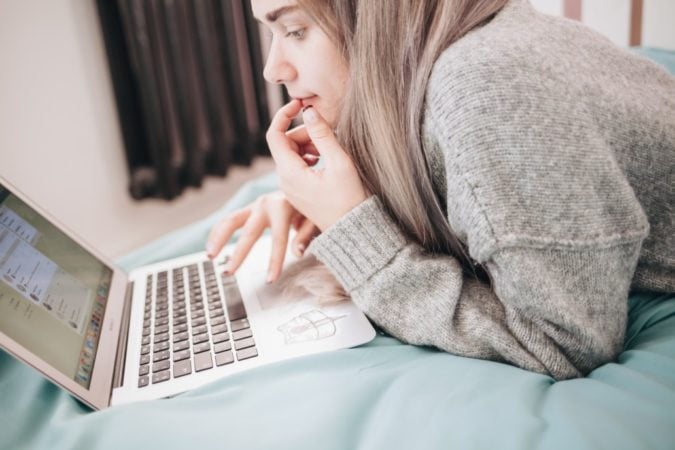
[[121, 357]]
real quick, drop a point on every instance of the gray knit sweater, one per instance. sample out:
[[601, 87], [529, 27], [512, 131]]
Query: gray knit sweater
[[554, 150]]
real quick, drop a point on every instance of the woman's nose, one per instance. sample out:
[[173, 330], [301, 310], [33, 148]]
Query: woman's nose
[[278, 69]]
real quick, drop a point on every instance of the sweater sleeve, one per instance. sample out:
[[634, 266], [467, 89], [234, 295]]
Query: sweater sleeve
[[545, 312]]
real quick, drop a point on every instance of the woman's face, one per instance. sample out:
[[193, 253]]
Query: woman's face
[[302, 57]]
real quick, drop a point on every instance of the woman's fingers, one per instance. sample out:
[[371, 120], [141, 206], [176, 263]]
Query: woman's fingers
[[249, 235], [309, 154], [271, 210], [322, 135], [280, 223], [306, 148], [284, 150], [309, 149], [223, 231], [296, 220], [303, 237], [311, 160], [299, 135], [284, 117]]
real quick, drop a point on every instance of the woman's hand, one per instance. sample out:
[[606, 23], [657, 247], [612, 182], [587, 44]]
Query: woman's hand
[[269, 210], [323, 195]]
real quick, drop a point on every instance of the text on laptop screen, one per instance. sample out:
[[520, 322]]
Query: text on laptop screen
[[52, 291]]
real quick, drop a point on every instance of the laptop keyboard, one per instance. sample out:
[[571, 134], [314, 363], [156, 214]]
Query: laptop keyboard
[[186, 328]]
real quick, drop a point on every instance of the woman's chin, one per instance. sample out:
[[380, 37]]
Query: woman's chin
[[328, 114]]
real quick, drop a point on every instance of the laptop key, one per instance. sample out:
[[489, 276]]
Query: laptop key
[[178, 305], [161, 346], [247, 353], [199, 322], [214, 305], [203, 361], [161, 337], [244, 343], [198, 339], [241, 334], [215, 329], [222, 347], [224, 358], [180, 320], [198, 329], [160, 356], [204, 346], [145, 359], [162, 365], [221, 337], [218, 321], [178, 346], [182, 368], [143, 381], [145, 349], [163, 321], [235, 304], [180, 336], [145, 340], [180, 328], [159, 377], [144, 369], [237, 325], [181, 355]]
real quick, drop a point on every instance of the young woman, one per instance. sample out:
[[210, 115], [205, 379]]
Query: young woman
[[494, 180]]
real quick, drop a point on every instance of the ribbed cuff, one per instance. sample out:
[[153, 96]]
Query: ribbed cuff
[[360, 244]]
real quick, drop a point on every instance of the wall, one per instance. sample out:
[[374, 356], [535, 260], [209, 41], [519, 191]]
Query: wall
[[59, 133], [612, 18]]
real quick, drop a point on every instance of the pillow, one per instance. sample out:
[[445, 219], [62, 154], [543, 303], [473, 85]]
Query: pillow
[[661, 56]]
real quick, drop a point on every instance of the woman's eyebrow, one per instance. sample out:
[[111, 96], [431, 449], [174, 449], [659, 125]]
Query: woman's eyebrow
[[272, 16]]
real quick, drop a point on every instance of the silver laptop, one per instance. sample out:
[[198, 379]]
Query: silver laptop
[[110, 337]]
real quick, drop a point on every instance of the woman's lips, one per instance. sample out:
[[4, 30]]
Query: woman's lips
[[307, 100]]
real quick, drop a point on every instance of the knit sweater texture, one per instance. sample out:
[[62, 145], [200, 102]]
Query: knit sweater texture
[[553, 151]]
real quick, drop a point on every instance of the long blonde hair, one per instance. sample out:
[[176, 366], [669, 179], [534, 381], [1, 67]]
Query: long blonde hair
[[390, 48]]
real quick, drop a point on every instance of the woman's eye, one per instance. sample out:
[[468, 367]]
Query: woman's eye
[[296, 34]]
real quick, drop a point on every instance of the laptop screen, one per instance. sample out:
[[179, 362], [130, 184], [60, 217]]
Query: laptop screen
[[53, 292]]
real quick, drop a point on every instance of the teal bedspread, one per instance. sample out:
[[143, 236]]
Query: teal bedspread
[[383, 395]]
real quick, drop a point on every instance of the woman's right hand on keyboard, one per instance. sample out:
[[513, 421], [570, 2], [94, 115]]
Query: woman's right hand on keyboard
[[271, 210]]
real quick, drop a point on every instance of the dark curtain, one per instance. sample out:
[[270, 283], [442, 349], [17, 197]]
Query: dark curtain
[[188, 83]]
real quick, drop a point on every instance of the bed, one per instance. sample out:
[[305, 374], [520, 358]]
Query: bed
[[384, 394]]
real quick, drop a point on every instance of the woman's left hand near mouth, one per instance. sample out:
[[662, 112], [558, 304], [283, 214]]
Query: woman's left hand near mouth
[[322, 195]]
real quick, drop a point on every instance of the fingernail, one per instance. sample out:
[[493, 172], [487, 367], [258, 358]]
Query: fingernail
[[270, 277], [209, 249], [301, 248], [309, 114]]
